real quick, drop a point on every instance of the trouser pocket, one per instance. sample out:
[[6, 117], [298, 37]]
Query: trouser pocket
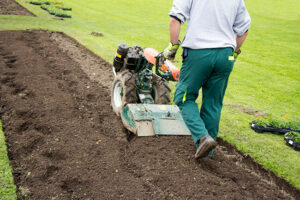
[[180, 93]]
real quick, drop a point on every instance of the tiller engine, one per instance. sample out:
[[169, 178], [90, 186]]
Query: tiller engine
[[141, 94]]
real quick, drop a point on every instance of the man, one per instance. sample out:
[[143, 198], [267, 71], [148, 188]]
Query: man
[[216, 29]]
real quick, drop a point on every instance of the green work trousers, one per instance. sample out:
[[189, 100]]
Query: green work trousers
[[208, 69]]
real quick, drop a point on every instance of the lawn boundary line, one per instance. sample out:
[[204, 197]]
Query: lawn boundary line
[[252, 164], [33, 15]]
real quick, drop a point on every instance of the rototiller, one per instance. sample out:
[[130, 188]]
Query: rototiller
[[140, 93]]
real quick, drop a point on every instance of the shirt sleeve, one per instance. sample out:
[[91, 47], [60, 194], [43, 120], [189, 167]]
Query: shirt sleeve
[[242, 19], [181, 10]]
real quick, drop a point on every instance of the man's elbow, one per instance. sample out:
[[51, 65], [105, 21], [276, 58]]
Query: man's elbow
[[174, 20], [243, 35]]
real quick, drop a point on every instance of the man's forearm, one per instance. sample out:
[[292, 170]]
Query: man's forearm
[[240, 40], [175, 27]]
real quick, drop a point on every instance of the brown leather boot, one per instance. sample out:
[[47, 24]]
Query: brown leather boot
[[205, 144]]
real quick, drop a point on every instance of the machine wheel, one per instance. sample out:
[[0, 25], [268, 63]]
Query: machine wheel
[[123, 91], [161, 90]]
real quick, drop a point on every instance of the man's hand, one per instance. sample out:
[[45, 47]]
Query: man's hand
[[239, 41], [236, 54], [171, 50]]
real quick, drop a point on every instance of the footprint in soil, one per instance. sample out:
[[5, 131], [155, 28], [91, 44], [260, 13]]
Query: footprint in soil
[[2, 52], [91, 97], [10, 73], [7, 79], [24, 126], [72, 84], [54, 155], [49, 172], [70, 185], [18, 88], [26, 114], [30, 145], [44, 129], [10, 60], [66, 72]]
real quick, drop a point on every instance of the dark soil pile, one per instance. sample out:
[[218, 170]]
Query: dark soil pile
[[64, 141], [11, 7]]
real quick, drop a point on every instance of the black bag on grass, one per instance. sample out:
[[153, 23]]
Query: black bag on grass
[[292, 139], [271, 129]]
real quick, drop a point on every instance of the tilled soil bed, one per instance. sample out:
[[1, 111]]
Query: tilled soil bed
[[64, 140], [11, 7]]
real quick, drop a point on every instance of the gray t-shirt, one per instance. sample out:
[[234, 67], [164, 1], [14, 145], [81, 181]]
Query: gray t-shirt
[[211, 23]]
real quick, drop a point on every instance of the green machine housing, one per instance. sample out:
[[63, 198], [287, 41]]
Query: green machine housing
[[140, 92]]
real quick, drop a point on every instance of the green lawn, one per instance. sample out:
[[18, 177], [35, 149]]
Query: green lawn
[[266, 76], [7, 187]]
